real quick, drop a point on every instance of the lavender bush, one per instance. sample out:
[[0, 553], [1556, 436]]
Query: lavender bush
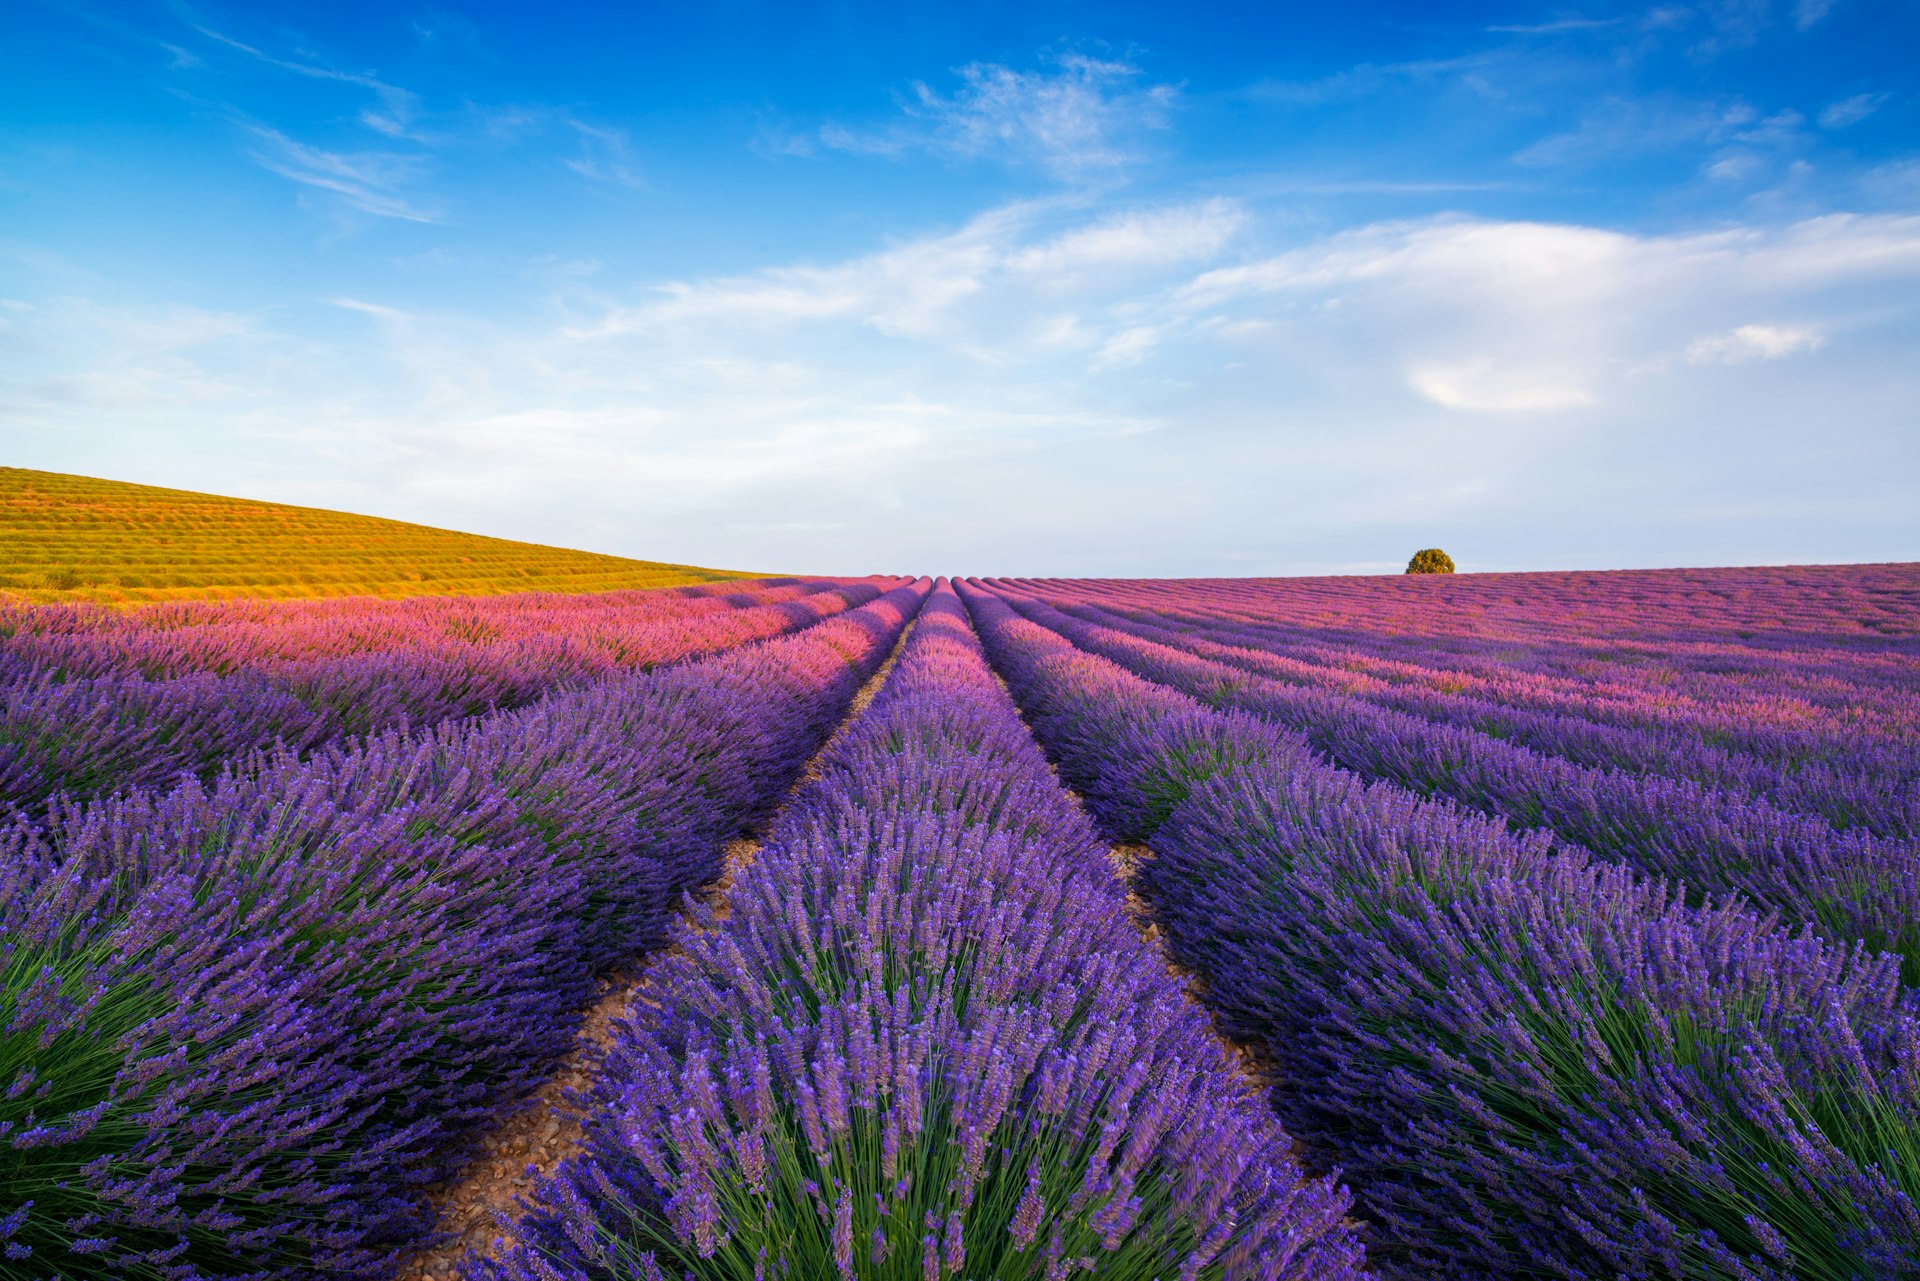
[[1852, 885], [927, 1042], [87, 711], [244, 1022], [1815, 728], [1848, 779], [1531, 1065]]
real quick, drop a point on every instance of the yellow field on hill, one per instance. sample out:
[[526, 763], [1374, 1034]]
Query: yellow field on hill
[[76, 538]]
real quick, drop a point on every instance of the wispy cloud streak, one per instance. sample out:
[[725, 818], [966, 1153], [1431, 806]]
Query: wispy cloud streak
[[368, 181], [1082, 117]]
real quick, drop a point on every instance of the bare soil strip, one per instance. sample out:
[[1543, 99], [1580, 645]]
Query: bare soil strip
[[1126, 858], [536, 1136]]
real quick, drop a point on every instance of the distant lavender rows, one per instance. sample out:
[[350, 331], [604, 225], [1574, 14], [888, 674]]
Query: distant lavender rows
[[1850, 882], [926, 1042], [1848, 774], [1528, 1063], [1750, 650], [94, 699], [1748, 653], [246, 1021]]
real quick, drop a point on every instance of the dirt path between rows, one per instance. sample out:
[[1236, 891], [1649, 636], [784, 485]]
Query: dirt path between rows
[[1254, 1065], [1126, 858], [544, 1130]]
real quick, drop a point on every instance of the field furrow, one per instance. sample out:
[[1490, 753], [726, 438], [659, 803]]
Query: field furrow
[[250, 1020], [1488, 926], [1851, 885], [529, 1142], [1849, 780], [927, 1040], [1525, 1062]]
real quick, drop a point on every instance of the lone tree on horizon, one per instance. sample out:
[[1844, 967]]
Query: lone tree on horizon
[[1430, 560]]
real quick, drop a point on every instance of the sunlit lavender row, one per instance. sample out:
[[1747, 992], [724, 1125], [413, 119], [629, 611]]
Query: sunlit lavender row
[[92, 700], [249, 1020]]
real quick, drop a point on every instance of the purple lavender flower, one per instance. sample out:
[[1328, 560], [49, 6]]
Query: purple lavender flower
[[245, 1021], [932, 963], [1529, 1062]]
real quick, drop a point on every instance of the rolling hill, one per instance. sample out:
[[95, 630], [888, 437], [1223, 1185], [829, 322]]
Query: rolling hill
[[68, 537]]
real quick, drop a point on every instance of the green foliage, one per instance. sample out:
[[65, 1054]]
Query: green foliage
[[76, 538], [1430, 560]]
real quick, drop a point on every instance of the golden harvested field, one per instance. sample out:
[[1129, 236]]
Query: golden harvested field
[[77, 538]]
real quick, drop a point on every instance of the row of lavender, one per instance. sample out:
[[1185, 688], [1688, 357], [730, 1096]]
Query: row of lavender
[[93, 700], [1528, 1062], [1790, 644], [175, 638], [1770, 681], [245, 1022], [926, 1041], [1744, 668], [1851, 883], [1825, 760]]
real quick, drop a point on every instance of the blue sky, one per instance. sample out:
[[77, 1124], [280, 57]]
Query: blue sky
[[1035, 288]]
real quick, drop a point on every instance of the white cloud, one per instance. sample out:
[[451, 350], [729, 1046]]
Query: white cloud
[[1828, 250], [1082, 117], [1782, 128], [82, 358], [1753, 342], [1144, 238], [1051, 386], [1561, 268], [312, 70], [1557, 27], [384, 181], [1895, 183], [370, 181], [909, 290], [605, 155], [1808, 12], [1128, 347], [1735, 166], [1621, 127], [1743, 140], [1481, 384], [398, 106], [1502, 317], [1850, 111], [1446, 258], [979, 285]]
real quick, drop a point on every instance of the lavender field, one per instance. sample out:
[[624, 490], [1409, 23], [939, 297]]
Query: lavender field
[[1489, 926]]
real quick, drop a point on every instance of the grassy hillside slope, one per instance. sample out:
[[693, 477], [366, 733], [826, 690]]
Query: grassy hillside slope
[[76, 538]]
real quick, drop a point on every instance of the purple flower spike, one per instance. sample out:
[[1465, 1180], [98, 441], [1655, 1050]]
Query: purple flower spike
[[247, 1021], [1527, 1060], [970, 1041]]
